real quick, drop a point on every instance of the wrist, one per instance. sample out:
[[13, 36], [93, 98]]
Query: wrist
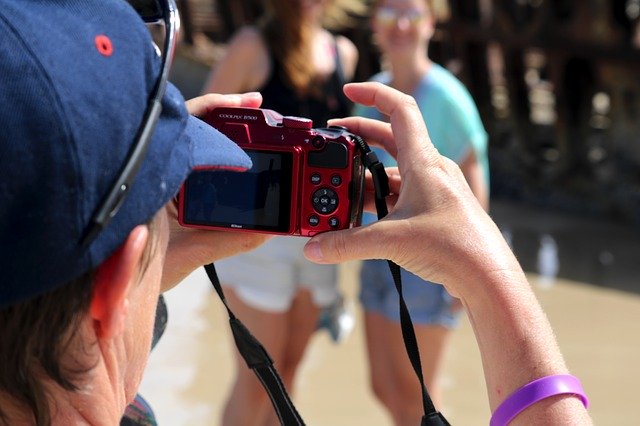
[[534, 392], [489, 282], [488, 264]]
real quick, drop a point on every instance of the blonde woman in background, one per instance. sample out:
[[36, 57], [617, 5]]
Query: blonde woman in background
[[300, 68], [402, 30]]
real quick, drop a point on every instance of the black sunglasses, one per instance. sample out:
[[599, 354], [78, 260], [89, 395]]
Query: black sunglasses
[[151, 12]]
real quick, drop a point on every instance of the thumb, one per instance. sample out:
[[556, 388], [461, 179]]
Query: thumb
[[350, 244]]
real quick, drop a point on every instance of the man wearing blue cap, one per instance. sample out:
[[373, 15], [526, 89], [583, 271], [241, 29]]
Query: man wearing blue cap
[[79, 287], [94, 146]]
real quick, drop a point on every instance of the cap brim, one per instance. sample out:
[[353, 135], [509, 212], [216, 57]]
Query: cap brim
[[210, 148], [180, 143]]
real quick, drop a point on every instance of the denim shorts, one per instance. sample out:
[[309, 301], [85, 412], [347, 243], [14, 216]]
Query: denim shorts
[[428, 303]]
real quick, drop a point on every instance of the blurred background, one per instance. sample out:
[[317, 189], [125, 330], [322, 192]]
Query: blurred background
[[557, 86]]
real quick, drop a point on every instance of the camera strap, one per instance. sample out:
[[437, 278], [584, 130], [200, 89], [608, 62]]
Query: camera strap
[[257, 358], [432, 417]]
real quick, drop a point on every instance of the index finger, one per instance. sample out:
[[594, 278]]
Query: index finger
[[409, 130], [203, 105], [375, 132]]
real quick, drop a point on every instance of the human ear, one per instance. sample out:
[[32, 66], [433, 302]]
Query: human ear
[[112, 282], [430, 24]]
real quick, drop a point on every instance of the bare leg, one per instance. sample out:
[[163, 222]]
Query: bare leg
[[393, 380], [248, 403], [302, 319]]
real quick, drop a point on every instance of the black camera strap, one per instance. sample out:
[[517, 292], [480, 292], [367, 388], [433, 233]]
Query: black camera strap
[[432, 417], [257, 358]]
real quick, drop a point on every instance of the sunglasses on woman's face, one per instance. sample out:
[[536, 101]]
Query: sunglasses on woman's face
[[389, 16]]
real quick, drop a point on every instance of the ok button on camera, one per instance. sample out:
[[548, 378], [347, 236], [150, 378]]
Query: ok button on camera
[[325, 201]]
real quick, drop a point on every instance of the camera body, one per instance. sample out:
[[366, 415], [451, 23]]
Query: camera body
[[303, 180]]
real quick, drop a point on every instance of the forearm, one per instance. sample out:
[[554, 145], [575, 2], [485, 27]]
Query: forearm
[[517, 346], [513, 334]]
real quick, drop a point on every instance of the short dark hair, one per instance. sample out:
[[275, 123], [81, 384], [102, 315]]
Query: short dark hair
[[35, 336], [38, 333]]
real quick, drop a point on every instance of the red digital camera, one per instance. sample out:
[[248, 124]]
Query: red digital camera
[[303, 180]]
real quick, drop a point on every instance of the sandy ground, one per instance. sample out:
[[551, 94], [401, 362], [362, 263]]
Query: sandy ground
[[190, 370]]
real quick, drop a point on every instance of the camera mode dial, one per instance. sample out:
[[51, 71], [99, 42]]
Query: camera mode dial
[[292, 122]]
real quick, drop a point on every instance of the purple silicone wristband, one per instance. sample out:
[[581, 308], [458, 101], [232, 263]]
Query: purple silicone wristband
[[535, 391]]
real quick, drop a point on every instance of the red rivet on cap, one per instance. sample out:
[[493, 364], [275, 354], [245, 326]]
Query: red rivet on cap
[[104, 46]]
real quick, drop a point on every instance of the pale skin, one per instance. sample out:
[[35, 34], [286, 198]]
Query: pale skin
[[437, 229], [115, 335], [247, 66], [404, 45]]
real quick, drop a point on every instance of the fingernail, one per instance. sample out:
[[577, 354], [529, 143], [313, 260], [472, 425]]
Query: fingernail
[[313, 251], [251, 94]]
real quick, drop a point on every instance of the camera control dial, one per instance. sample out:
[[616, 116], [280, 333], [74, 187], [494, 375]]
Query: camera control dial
[[325, 201]]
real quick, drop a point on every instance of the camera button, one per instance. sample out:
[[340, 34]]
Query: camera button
[[316, 178], [318, 142], [334, 222], [336, 180], [292, 122], [325, 201], [314, 220]]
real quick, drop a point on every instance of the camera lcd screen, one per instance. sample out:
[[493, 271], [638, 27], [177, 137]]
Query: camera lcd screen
[[259, 198]]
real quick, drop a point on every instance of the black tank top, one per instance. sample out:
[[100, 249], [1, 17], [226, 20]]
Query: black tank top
[[332, 103]]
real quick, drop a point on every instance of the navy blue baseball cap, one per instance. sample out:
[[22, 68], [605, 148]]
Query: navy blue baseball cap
[[75, 79]]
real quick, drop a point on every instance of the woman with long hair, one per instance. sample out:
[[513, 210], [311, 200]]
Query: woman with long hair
[[300, 68]]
